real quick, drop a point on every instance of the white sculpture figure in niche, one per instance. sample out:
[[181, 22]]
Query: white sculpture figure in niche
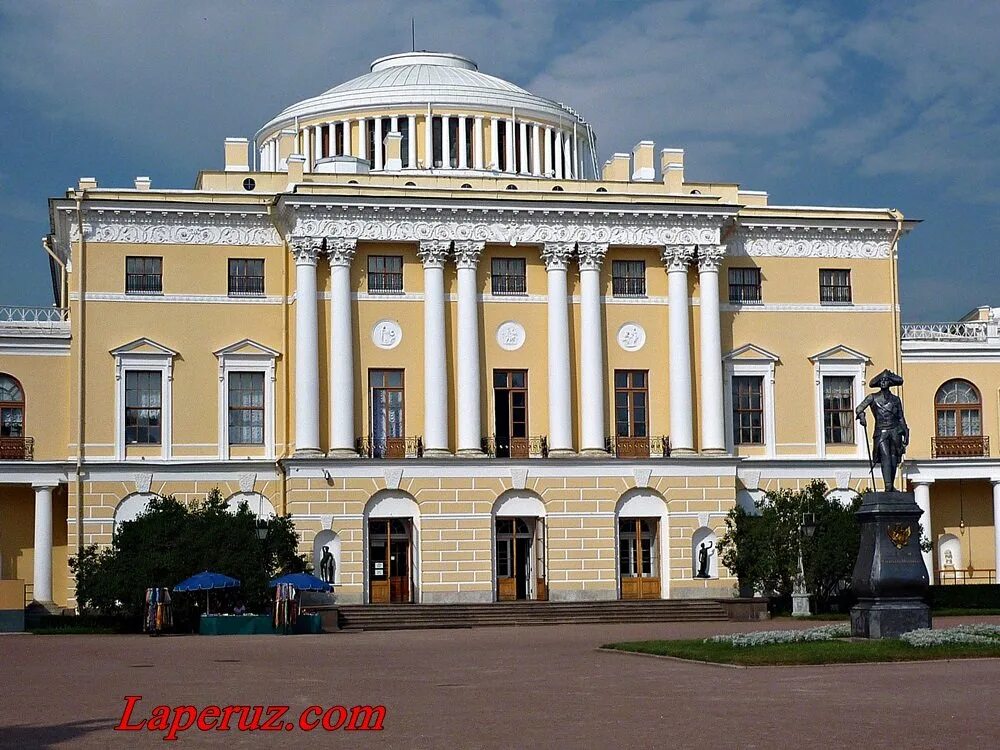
[[949, 559]]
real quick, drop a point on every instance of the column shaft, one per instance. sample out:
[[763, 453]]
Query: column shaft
[[411, 142], [494, 144], [559, 155], [922, 496], [42, 584], [713, 421], [306, 251], [379, 146], [510, 161], [677, 258], [463, 145], [469, 386], [524, 167], [433, 254], [536, 149], [445, 142], [996, 529], [556, 256], [477, 143], [591, 256], [340, 253]]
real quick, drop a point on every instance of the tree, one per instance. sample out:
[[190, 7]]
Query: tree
[[762, 547], [171, 541]]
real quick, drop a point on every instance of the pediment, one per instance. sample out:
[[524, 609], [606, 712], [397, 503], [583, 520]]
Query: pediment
[[840, 353], [751, 353], [144, 346], [247, 348]]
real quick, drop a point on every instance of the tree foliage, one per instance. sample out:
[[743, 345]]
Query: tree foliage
[[173, 540], [762, 547]]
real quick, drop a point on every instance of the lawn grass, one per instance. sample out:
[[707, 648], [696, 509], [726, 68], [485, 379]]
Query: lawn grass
[[840, 651]]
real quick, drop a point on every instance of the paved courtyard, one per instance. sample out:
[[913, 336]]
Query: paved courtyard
[[491, 687]]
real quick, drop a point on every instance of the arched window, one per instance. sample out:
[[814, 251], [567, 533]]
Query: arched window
[[958, 410], [11, 407]]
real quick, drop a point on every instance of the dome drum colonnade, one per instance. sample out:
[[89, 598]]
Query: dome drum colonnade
[[557, 257]]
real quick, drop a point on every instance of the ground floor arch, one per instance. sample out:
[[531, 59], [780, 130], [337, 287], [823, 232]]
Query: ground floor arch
[[642, 548], [392, 549], [519, 559]]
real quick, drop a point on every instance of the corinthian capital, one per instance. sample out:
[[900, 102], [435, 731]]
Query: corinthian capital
[[557, 254], [677, 257], [710, 257], [591, 255], [305, 250], [433, 253], [340, 250], [467, 253]]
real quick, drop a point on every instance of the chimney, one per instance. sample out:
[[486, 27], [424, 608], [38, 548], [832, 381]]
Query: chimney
[[616, 168], [142, 183], [87, 183], [237, 155], [393, 151], [642, 162], [672, 168]]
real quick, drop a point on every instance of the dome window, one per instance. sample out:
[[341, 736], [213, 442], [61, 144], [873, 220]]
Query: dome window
[[511, 187], [602, 190], [352, 182], [410, 184], [557, 189], [466, 186], [249, 183]]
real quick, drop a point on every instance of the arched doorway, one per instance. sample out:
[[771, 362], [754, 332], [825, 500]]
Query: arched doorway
[[519, 547], [392, 533], [641, 539]]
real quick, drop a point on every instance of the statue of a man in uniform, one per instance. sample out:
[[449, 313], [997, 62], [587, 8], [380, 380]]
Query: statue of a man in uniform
[[891, 435]]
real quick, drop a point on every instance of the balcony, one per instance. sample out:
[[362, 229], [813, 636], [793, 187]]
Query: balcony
[[17, 449], [973, 330], [402, 447], [966, 446], [30, 319], [655, 446], [536, 446]]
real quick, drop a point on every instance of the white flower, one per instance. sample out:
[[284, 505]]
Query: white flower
[[979, 635], [769, 637]]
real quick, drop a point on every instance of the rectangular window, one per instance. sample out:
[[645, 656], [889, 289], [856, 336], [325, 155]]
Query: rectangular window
[[143, 275], [835, 285], [246, 277], [631, 414], [385, 274], [744, 285], [246, 408], [628, 278], [509, 276], [387, 436], [838, 409], [748, 410], [143, 402]]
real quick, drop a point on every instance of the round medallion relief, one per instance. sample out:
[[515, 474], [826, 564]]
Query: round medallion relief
[[631, 337], [510, 335], [386, 334]]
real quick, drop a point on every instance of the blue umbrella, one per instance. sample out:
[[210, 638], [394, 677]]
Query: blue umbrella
[[303, 582], [206, 581]]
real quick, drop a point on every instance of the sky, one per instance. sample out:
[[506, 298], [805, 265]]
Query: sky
[[839, 103]]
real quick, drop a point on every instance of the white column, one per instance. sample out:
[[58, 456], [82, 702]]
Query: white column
[[576, 156], [477, 143], [591, 256], [445, 142], [340, 253], [411, 142], [556, 256], [536, 149], [306, 252], [495, 144], [509, 147], [429, 141], [996, 526], [677, 258], [433, 254], [712, 403], [362, 139], [559, 155], [469, 387], [463, 145], [379, 146], [567, 157], [922, 495], [307, 148], [317, 145], [42, 584], [547, 169], [332, 128], [525, 167], [345, 125]]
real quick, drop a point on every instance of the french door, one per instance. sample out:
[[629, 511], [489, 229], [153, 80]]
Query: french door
[[388, 436], [520, 559], [638, 563], [510, 409], [390, 562], [631, 425]]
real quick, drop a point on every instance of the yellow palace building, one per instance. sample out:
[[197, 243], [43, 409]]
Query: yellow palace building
[[416, 314]]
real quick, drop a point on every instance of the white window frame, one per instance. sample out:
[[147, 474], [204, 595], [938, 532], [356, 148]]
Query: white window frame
[[160, 360], [844, 362], [760, 364], [236, 358]]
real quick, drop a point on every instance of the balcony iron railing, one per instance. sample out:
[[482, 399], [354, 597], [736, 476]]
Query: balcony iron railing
[[965, 446], [402, 447], [953, 577], [628, 286], [974, 330], [654, 446], [17, 449], [536, 446]]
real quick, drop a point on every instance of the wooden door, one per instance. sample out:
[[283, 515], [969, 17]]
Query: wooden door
[[638, 564]]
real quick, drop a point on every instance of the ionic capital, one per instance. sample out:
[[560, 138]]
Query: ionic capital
[[677, 257], [710, 257], [467, 253], [434, 253], [340, 250], [557, 254], [591, 255], [305, 250]]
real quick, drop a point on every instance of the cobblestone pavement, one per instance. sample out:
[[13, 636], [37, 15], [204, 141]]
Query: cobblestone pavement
[[491, 687]]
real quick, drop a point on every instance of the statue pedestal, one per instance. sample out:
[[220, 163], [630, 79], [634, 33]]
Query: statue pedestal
[[890, 578]]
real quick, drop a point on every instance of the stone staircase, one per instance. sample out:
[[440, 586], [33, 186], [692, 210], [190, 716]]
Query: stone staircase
[[419, 616]]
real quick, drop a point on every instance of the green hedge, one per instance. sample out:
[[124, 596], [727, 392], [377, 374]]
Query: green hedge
[[970, 596]]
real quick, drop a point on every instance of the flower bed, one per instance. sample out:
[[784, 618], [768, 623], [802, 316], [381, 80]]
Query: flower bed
[[770, 637], [984, 635]]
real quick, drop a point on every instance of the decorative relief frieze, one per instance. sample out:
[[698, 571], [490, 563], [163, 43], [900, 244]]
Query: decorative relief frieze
[[782, 242], [176, 228]]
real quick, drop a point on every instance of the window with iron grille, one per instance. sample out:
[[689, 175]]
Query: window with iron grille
[[385, 274], [143, 275], [834, 285], [748, 410], [838, 409], [508, 276], [246, 408], [628, 278], [744, 285], [246, 277], [143, 401]]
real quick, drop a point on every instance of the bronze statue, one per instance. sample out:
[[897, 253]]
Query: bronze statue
[[327, 566], [890, 435], [704, 552]]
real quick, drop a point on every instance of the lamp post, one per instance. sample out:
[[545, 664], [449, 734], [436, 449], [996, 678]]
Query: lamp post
[[800, 596]]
